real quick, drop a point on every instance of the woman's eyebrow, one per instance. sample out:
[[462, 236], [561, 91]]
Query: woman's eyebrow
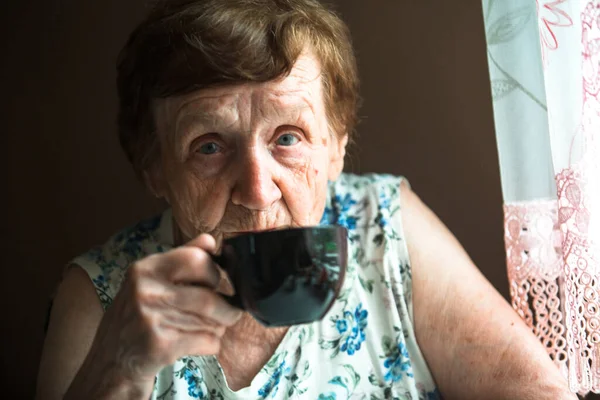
[[205, 108], [197, 118], [198, 114]]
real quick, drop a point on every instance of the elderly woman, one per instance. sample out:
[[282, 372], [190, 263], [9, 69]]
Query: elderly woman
[[238, 114]]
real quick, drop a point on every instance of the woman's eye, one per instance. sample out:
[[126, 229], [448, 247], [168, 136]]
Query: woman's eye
[[209, 148], [287, 140]]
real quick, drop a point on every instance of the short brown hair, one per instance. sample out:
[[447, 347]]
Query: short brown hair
[[186, 45]]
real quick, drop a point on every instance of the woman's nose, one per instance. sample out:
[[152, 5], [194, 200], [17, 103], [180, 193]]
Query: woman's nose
[[255, 187]]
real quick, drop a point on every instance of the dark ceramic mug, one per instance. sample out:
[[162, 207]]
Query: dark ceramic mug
[[286, 277]]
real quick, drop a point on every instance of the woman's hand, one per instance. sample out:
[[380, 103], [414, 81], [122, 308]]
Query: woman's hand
[[167, 308]]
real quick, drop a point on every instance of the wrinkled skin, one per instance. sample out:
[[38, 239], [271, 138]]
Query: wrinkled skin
[[248, 157]]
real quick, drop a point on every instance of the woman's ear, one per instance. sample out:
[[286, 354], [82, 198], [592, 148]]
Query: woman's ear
[[155, 182], [337, 152]]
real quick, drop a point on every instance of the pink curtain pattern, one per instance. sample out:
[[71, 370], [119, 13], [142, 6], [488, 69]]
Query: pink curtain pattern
[[547, 116], [533, 254]]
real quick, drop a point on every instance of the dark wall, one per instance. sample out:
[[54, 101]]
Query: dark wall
[[427, 115]]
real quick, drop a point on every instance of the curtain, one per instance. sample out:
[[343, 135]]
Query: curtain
[[544, 65]]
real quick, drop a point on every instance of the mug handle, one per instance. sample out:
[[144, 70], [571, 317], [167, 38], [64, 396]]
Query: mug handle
[[235, 300]]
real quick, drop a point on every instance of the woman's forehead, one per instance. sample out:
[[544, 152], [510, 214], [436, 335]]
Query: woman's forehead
[[300, 89]]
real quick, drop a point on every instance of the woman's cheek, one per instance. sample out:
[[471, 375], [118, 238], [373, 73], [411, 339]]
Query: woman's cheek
[[194, 194]]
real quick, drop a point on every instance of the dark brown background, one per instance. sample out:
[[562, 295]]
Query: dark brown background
[[427, 115]]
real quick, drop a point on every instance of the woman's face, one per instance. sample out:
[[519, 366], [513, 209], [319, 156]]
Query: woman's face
[[248, 157]]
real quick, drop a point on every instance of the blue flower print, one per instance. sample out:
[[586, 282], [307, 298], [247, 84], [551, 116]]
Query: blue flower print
[[270, 388], [132, 247], [96, 254], [384, 201], [352, 329], [327, 216], [100, 282], [424, 394], [133, 237], [327, 396], [347, 221], [194, 389], [345, 203], [398, 364], [102, 288], [383, 212], [341, 325], [435, 395], [381, 220]]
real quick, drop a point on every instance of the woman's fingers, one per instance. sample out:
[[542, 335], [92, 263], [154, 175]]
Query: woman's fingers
[[190, 322], [189, 305], [201, 304], [184, 265], [205, 241]]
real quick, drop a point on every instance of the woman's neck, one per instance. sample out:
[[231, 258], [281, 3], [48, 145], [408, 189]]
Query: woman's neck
[[245, 349]]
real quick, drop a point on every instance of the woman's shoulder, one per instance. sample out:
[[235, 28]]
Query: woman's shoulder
[[365, 197], [130, 243], [107, 264]]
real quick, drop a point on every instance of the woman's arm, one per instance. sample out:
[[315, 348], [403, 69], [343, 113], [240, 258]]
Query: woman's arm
[[475, 344], [75, 317]]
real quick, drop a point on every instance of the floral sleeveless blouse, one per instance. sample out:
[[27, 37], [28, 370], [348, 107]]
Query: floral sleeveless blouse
[[364, 348]]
